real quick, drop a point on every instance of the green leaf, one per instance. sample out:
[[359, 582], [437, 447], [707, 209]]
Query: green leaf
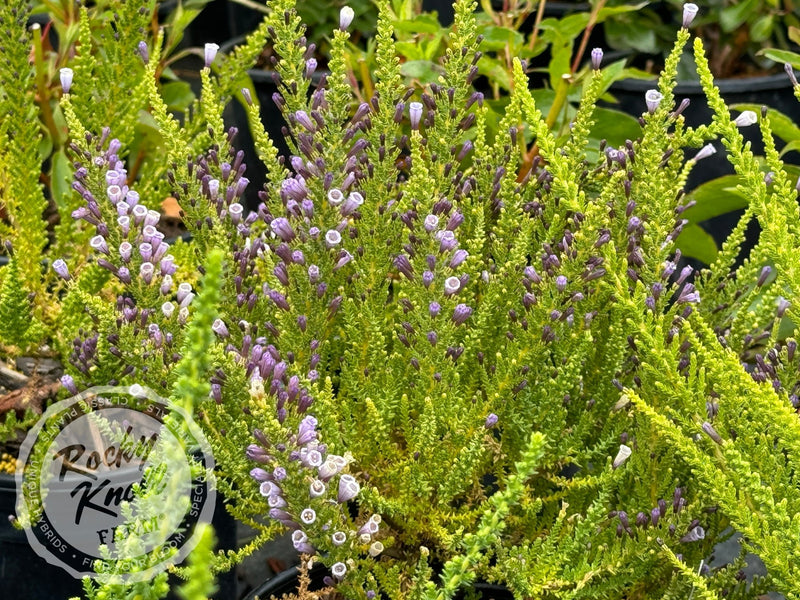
[[500, 38], [781, 125], [794, 34], [424, 23], [622, 34], [734, 15], [495, 71], [178, 95], [697, 243], [716, 197], [410, 50], [45, 145], [614, 126], [60, 179], [425, 71], [783, 56], [568, 27], [761, 30]]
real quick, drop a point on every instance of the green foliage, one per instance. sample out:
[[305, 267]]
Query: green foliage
[[18, 325], [457, 346]]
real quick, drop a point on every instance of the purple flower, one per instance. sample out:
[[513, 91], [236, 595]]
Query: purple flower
[[433, 309], [348, 488], [332, 466], [491, 421], [709, 430], [653, 99], [241, 185], [210, 53], [295, 188], [597, 58], [300, 542], [431, 223], [561, 283], [235, 211], [459, 256], [695, 535], [69, 384], [689, 13], [335, 196], [332, 238], [311, 66], [282, 229], [98, 243], [258, 454], [307, 431], [403, 265], [461, 313], [344, 258], [352, 204], [415, 114], [308, 516], [303, 119], [451, 285], [704, 152], [66, 79], [143, 51], [60, 267], [219, 327]]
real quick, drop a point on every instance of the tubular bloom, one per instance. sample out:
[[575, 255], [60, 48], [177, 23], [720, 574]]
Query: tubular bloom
[[60, 267], [346, 16], [653, 99], [65, 75], [689, 13], [210, 53], [597, 58], [705, 152], [415, 114], [746, 118]]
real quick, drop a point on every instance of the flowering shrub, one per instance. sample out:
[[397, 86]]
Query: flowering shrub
[[432, 361]]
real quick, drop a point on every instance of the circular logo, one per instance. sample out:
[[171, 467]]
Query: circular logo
[[112, 482]]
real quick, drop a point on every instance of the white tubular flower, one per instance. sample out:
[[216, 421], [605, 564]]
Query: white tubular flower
[[746, 118], [623, 455], [346, 16]]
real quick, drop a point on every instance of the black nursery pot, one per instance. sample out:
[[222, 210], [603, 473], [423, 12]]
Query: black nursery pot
[[287, 581], [773, 91], [25, 574]]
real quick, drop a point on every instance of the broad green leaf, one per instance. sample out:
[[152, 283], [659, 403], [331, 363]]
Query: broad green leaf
[[737, 13], [761, 30], [411, 50], [783, 56], [716, 197], [622, 34], [495, 70], [610, 11], [500, 38], [794, 34], [424, 23], [177, 95], [425, 71], [697, 243], [568, 27], [614, 126], [60, 178], [781, 125]]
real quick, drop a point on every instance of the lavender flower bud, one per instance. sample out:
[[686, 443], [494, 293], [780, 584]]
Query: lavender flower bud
[[597, 58], [461, 313], [689, 13], [311, 66], [307, 430], [346, 16], [711, 432], [303, 119], [705, 152], [415, 114], [210, 53], [66, 79], [459, 256], [143, 51], [653, 99], [765, 273], [490, 421], [69, 384], [352, 204], [561, 283], [282, 229], [247, 96]]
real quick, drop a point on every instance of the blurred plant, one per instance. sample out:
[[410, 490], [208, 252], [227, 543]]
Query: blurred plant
[[736, 35]]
